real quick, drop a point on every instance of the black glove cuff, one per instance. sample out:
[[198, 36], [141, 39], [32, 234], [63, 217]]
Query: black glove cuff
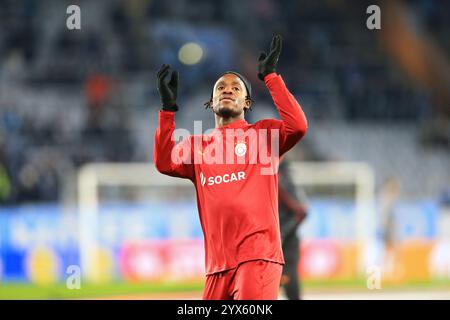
[[172, 107], [261, 75]]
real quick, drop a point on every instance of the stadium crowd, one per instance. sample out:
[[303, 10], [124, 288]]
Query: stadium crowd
[[72, 97]]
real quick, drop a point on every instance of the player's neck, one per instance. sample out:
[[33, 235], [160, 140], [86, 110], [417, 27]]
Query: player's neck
[[222, 121]]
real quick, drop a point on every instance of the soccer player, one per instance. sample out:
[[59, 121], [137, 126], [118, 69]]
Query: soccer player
[[237, 198], [293, 210]]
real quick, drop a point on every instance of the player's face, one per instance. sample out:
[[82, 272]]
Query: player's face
[[229, 96]]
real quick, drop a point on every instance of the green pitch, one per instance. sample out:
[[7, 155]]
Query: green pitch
[[88, 290]]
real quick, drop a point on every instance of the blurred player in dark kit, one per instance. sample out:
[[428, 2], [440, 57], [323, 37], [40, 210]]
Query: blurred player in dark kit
[[293, 210]]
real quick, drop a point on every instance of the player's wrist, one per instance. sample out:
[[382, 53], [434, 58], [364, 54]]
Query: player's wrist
[[262, 75], [270, 76], [170, 107]]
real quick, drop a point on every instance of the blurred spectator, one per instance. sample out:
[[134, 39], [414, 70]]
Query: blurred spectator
[[387, 199], [5, 183], [440, 254], [336, 68]]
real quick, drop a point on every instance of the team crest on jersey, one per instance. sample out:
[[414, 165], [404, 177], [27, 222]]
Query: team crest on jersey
[[240, 149]]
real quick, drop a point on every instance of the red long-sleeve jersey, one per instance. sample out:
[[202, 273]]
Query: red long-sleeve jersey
[[237, 200]]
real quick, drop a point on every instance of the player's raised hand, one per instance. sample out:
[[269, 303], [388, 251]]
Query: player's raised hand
[[168, 89], [268, 63]]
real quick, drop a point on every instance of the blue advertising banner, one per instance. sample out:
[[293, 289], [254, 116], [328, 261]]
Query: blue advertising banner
[[45, 237]]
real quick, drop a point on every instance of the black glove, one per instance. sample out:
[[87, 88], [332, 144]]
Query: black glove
[[168, 90], [268, 63]]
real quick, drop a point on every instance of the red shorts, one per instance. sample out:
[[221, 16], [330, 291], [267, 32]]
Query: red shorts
[[251, 280]]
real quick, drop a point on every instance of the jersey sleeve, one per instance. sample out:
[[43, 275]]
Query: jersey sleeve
[[170, 158], [293, 124]]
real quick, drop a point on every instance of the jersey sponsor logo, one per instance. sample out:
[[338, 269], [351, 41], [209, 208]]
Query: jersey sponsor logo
[[202, 179], [219, 179]]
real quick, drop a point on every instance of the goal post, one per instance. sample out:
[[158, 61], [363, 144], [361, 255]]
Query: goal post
[[361, 176], [92, 177]]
